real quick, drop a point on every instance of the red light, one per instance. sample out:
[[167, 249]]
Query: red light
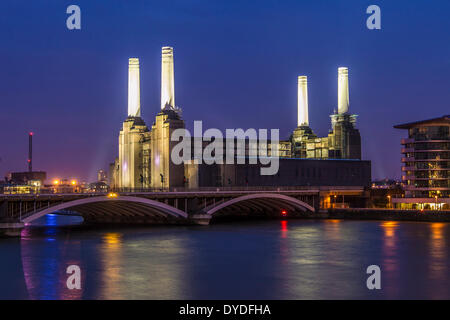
[[31, 133], [284, 213]]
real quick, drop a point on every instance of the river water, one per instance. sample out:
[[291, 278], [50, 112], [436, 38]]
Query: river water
[[293, 259]]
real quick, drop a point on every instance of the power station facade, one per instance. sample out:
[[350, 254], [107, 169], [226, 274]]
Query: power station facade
[[144, 153], [144, 159], [343, 140]]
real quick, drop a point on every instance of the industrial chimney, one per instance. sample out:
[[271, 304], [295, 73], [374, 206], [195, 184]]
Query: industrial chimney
[[30, 152], [134, 101], [167, 78], [302, 105], [343, 97]]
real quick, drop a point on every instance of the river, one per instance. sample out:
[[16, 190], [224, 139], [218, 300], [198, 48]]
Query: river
[[290, 259]]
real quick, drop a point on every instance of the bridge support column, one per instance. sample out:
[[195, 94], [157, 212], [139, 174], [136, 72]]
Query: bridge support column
[[200, 219], [11, 229], [4, 210]]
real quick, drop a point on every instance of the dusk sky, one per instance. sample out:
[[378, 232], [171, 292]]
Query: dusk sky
[[236, 66]]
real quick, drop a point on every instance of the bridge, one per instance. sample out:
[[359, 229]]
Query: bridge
[[175, 206]]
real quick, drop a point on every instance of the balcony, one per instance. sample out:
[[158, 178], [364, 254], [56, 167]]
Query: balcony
[[406, 141], [407, 150], [414, 188], [428, 160], [410, 168], [410, 159]]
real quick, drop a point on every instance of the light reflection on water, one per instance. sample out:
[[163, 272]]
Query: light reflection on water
[[111, 257], [389, 265], [289, 259]]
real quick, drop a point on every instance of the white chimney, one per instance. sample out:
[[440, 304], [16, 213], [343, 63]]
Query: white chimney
[[343, 97], [302, 105], [134, 103], [167, 78]]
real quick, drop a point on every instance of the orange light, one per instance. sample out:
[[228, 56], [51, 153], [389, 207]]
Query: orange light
[[73, 182], [284, 213], [56, 181], [112, 195]]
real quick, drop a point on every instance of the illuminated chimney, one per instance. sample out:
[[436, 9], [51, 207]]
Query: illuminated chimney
[[134, 100], [343, 97], [167, 78], [302, 105]]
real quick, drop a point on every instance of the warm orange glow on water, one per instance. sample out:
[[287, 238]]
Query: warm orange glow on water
[[332, 229], [389, 228], [390, 260], [437, 249], [112, 240], [112, 261], [436, 230]]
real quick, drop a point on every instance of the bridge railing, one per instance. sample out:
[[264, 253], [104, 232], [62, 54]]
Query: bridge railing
[[210, 189], [200, 189]]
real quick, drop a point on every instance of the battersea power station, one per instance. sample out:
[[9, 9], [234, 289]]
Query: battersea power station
[[304, 159]]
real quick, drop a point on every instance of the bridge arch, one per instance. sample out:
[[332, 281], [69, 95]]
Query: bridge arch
[[258, 201], [123, 205]]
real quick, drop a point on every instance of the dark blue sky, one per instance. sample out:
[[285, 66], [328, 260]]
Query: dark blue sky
[[236, 65]]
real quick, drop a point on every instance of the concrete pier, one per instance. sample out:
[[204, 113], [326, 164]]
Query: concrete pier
[[11, 229], [200, 219]]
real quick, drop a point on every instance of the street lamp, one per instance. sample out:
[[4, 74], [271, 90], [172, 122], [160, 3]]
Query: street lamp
[[389, 201]]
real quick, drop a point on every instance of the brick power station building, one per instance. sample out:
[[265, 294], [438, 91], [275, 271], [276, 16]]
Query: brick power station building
[[305, 159]]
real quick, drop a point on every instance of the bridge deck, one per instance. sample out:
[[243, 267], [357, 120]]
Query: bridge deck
[[161, 205]]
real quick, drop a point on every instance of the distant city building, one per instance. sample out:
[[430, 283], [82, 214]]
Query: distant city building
[[24, 178], [383, 191], [426, 164], [28, 181], [66, 186], [144, 153], [98, 186], [102, 176], [385, 184]]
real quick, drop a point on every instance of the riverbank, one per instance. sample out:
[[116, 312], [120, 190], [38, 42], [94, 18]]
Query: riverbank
[[383, 214]]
